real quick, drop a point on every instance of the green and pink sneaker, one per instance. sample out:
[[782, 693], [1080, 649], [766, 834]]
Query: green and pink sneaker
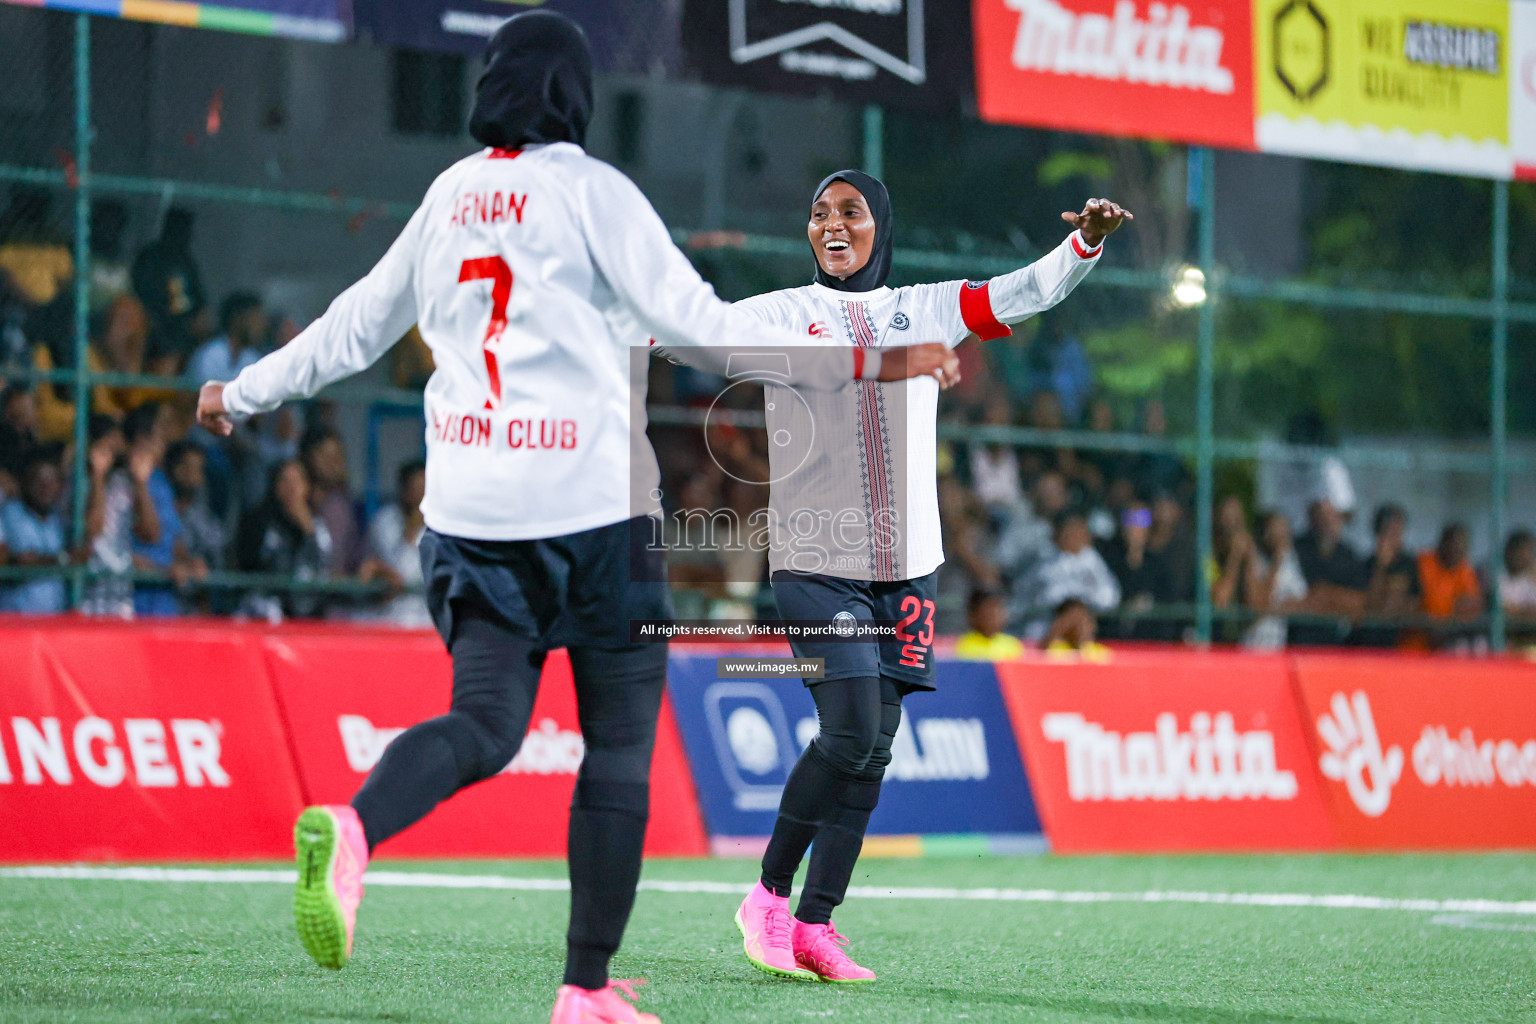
[[819, 949], [574, 1005], [764, 920], [332, 856]]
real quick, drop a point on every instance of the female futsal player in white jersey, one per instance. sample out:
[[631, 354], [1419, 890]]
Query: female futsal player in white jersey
[[532, 270], [855, 532]]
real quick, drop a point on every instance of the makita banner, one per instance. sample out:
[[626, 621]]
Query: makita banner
[[954, 765], [1166, 751], [1423, 754], [126, 742], [1179, 70], [912, 53], [347, 692]]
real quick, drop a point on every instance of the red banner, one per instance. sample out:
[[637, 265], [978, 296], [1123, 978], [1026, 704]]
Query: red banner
[[1423, 754], [346, 694], [1166, 751], [139, 743], [1170, 70]]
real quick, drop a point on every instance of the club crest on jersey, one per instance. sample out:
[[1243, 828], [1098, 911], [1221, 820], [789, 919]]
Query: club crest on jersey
[[901, 321], [975, 284], [817, 330]]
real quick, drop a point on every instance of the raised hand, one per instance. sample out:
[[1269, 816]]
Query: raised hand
[[1099, 218], [931, 359], [211, 412]]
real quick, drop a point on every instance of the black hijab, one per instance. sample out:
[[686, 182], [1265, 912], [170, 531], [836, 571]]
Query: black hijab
[[537, 85], [873, 274]]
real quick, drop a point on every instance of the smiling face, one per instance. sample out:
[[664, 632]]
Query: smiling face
[[841, 230]]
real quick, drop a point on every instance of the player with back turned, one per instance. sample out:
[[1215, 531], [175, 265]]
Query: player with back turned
[[532, 271], [855, 516]]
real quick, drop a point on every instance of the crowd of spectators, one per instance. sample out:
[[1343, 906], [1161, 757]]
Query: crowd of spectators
[[1046, 544], [166, 503], [1060, 547]]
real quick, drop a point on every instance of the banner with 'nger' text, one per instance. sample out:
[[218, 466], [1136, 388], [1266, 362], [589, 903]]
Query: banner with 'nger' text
[[120, 742]]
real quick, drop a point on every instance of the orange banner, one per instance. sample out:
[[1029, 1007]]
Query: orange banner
[[1166, 750], [1426, 753], [132, 742]]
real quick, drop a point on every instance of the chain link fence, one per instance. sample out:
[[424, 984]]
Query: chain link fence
[[1269, 332]]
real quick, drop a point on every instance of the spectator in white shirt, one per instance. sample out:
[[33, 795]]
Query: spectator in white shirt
[[1024, 541], [1075, 571], [995, 467], [1275, 584], [1517, 581], [392, 540]]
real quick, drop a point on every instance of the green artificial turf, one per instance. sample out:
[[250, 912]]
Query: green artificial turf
[[126, 952]]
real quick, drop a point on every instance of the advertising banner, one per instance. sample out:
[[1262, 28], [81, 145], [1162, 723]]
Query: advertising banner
[[1166, 751], [910, 53], [1423, 84], [954, 765], [631, 37], [1430, 754], [1181, 71], [346, 694], [1522, 89], [135, 743]]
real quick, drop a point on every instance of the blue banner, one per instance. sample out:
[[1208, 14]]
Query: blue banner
[[634, 37], [955, 766]]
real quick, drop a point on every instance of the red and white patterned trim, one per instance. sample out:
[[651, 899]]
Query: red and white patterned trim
[[1080, 246]]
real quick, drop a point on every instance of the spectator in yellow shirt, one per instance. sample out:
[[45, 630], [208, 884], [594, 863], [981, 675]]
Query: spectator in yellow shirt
[[987, 613]]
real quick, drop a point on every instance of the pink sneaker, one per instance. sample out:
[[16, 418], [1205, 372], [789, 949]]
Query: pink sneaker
[[575, 1005], [332, 855], [764, 920], [819, 949]]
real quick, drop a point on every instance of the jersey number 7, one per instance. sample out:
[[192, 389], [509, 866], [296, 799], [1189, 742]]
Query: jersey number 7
[[495, 270]]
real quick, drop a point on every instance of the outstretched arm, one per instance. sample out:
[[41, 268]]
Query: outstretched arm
[[631, 247], [359, 327], [989, 308]]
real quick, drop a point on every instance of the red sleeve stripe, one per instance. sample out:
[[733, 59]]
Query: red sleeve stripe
[[976, 311], [1082, 250], [858, 364]]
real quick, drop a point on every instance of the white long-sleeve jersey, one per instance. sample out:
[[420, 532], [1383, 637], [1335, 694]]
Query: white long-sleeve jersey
[[854, 471], [534, 276]]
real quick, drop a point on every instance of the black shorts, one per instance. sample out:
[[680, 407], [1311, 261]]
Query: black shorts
[[577, 590], [907, 659]]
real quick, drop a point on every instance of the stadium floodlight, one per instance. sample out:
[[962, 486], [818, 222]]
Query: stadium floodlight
[[1188, 287]]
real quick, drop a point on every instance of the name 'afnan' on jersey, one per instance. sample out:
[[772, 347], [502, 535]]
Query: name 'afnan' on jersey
[[532, 276]]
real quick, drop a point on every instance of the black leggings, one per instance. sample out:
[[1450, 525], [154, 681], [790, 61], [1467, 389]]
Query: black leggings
[[495, 680], [832, 791]]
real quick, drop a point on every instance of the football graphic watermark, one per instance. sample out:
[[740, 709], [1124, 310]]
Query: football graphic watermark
[[781, 461]]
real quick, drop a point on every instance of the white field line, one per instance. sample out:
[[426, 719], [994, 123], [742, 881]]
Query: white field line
[[429, 880]]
